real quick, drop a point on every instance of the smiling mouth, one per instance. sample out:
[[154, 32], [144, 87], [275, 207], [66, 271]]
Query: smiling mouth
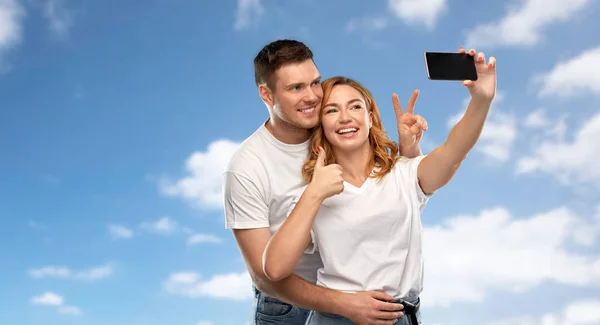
[[307, 110], [347, 130]]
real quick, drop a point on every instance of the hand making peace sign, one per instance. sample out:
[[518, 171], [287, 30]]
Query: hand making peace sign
[[410, 126]]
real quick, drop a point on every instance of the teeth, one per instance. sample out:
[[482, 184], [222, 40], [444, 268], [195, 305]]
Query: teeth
[[308, 110], [347, 130]]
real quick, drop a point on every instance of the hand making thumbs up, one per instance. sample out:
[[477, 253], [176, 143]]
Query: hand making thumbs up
[[327, 179]]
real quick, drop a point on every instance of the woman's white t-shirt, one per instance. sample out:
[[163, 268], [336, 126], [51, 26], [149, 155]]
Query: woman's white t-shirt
[[369, 238]]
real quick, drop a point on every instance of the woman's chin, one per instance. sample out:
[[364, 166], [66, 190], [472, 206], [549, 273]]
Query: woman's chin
[[349, 145]]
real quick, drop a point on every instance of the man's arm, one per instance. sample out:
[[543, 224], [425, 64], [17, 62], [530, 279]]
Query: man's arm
[[292, 289], [362, 308], [245, 209]]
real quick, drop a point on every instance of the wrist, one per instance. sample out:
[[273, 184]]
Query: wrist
[[410, 151], [313, 194], [481, 101], [338, 303]]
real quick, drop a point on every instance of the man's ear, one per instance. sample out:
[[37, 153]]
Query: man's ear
[[266, 94]]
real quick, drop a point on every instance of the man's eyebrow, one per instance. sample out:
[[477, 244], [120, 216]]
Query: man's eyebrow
[[296, 84]]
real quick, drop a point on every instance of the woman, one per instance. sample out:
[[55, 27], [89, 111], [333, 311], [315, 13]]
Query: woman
[[362, 206]]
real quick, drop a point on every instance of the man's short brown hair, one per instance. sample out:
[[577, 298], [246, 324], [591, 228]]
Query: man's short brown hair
[[276, 54]]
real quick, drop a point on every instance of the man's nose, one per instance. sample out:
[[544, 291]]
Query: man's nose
[[311, 96]]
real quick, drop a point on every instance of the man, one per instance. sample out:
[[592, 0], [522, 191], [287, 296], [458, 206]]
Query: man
[[263, 174]]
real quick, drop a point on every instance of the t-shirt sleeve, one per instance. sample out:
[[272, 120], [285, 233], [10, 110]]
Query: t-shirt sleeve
[[244, 205], [411, 166], [312, 246]]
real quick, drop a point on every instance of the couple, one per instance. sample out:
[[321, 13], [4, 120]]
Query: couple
[[324, 207]]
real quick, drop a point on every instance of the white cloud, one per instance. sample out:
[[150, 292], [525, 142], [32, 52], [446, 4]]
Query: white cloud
[[524, 22], [118, 231], [536, 119], [69, 310], [203, 238], [91, 274], [59, 18], [498, 135], [95, 273], [583, 312], [55, 300], [163, 226], [48, 299], [418, 12], [248, 12], [368, 23], [231, 286], [203, 184], [469, 255], [576, 76], [571, 162], [50, 272], [11, 16]]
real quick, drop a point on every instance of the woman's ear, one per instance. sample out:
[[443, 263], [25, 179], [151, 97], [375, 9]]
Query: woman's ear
[[370, 120]]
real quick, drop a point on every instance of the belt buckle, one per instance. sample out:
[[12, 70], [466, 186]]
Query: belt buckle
[[410, 310]]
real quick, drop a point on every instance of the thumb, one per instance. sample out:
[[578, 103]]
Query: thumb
[[320, 158]]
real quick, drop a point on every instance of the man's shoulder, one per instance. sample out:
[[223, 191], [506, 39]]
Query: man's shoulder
[[250, 151]]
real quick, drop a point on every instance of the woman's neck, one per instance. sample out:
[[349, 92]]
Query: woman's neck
[[356, 164]]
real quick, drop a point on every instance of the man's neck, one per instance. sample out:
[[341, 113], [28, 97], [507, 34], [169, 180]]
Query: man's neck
[[287, 133], [356, 165]]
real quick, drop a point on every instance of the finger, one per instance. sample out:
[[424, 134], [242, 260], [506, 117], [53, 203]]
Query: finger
[[481, 58], [472, 52], [416, 128], [422, 121], [320, 158], [461, 50], [468, 83], [389, 306], [492, 62], [410, 108], [387, 315], [425, 125], [397, 106]]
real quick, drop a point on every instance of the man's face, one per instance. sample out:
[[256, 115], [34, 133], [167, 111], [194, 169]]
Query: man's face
[[297, 94]]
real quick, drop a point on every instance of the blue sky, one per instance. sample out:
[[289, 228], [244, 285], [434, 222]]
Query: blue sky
[[116, 119]]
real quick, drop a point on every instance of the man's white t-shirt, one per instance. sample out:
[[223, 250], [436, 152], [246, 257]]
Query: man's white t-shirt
[[259, 185], [369, 237]]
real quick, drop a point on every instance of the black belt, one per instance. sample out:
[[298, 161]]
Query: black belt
[[410, 310]]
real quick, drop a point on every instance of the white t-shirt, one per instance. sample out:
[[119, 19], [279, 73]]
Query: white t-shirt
[[369, 238], [259, 185]]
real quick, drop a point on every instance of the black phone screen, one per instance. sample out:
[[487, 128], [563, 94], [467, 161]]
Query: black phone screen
[[450, 66]]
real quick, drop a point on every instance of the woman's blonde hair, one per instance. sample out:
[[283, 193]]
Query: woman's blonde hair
[[385, 151]]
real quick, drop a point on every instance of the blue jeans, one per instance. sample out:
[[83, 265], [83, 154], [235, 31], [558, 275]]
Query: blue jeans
[[318, 318], [271, 311]]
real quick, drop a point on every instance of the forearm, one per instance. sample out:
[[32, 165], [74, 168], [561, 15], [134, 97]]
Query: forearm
[[286, 246], [438, 168], [466, 132], [411, 152], [299, 292]]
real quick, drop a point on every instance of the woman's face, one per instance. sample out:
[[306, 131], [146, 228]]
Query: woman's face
[[346, 119]]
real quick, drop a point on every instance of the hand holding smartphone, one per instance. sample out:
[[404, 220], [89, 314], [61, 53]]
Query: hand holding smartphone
[[450, 66]]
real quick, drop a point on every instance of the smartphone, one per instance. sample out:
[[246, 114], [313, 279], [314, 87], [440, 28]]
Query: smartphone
[[450, 66]]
